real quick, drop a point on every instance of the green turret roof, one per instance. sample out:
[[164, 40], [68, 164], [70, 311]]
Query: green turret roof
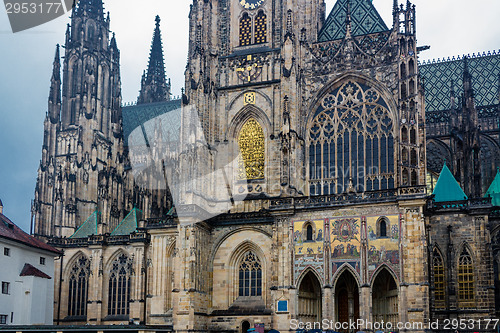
[[494, 190], [88, 228], [447, 187], [364, 20], [129, 224]]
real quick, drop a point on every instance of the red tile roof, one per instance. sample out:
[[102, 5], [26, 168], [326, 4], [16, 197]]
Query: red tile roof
[[11, 231], [29, 270]]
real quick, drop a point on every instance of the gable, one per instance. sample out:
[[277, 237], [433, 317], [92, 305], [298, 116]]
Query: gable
[[365, 20]]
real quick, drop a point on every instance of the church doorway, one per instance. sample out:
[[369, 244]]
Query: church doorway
[[347, 298], [245, 326], [385, 298], [310, 299]]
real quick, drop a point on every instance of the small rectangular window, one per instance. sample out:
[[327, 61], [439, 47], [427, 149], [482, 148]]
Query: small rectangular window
[[3, 319], [42, 261], [5, 288], [6, 251]]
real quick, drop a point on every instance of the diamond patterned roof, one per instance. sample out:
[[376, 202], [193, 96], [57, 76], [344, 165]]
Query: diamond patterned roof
[[485, 71], [447, 187], [145, 115], [364, 20], [88, 228]]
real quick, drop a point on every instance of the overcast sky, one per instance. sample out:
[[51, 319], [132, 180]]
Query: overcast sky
[[450, 27]]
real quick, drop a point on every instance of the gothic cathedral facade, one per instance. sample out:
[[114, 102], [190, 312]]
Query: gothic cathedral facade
[[337, 220]]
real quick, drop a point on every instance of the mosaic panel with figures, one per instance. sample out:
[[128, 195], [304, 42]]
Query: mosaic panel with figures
[[345, 241], [383, 242], [308, 238]]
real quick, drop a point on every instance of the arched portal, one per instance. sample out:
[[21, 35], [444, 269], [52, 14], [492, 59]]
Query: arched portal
[[385, 298], [309, 299], [346, 298]]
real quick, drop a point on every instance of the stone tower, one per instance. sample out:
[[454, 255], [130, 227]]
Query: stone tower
[[82, 165], [154, 86]]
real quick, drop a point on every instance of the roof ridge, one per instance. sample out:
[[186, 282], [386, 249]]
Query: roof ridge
[[488, 53]]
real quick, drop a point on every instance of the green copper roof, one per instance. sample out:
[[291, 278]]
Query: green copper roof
[[494, 190], [364, 20], [129, 224], [140, 120], [88, 228], [447, 188], [438, 76]]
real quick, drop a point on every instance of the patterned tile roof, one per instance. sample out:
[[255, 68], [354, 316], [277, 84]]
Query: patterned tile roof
[[30, 270], [447, 187], [438, 76], [144, 116], [128, 225], [88, 228], [364, 20], [12, 232]]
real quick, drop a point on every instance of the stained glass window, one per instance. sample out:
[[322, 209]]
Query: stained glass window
[[78, 287], [260, 28], [351, 142], [465, 280], [250, 276], [245, 30], [252, 146], [119, 287], [439, 280]]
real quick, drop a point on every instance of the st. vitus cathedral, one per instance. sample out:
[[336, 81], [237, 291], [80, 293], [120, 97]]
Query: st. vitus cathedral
[[367, 180]]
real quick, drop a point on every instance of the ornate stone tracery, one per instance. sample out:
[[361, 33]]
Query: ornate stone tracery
[[351, 142]]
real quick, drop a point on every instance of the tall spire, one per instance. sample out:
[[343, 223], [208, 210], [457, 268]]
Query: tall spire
[[55, 89], [154, 86]]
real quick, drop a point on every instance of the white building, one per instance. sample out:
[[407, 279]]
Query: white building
[[26, 275]]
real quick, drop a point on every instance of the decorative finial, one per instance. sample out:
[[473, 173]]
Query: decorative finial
[[157, 19]]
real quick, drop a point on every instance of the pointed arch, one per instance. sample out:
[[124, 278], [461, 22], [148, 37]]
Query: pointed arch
[[260, 28], [438, 278], [309, 296], [246, 113], [341, 270], [346, 292], [247, 271], [78, 274], [466, 278], [352, 127], [245, 30], [385, 295], [119, 273]]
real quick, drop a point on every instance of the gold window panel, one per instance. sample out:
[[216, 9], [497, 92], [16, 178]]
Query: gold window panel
[[245, 30], [261, 28], [465, 281], [252, 148]]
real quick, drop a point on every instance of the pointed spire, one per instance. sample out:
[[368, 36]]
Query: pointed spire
[[54, 106], [348, 19], [154, 87]]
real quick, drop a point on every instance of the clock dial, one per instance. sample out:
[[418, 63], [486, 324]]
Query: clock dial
[[251, 4]]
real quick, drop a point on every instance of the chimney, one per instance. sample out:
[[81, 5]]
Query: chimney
[[1, 207]]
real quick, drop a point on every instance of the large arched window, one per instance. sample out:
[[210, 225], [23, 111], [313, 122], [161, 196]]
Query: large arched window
[[119, 286], [351, 142], [78, 287], [260, 28], [465, 280], [245, 30], [439, 280], [250, 275], [252, 148]]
